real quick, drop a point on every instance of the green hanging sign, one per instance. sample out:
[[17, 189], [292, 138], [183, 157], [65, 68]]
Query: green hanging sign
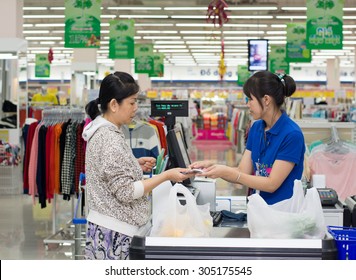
[[324, 24], [144, 58], [42, 66], [296, 43], [82, 23], [277, 60], [121, 34], [242, 74], [158, 65]]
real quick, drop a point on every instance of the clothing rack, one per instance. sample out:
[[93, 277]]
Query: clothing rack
[[62, 235]]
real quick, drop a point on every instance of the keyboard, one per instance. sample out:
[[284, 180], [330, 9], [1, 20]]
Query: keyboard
[[217, 217]]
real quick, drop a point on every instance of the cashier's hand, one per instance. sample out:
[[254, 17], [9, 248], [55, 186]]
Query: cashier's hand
[[178, 175], [202, 164], [214, 171], [147, 163]]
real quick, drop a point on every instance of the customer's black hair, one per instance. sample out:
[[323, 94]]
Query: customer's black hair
[[119, 86], [278, 86]]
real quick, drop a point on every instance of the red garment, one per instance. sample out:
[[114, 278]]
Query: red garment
[[29, 140], [162, 134]]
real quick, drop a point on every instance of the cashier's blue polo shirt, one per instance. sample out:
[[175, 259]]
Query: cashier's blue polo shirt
[[284, 141]]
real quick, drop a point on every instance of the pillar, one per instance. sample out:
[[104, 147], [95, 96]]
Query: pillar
[[11, 43], [144, 82], [333, 73], [123, 65], [84, 68]]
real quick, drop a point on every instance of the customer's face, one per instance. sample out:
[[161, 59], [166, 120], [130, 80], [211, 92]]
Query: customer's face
[[127, 110]]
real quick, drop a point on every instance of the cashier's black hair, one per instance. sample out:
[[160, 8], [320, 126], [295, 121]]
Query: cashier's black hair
[[119, 86], [278, 86]]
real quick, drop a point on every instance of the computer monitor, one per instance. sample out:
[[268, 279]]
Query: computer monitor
[[257, 54], [177, 151]]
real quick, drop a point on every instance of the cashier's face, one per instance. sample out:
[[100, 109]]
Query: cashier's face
[[255, 108]]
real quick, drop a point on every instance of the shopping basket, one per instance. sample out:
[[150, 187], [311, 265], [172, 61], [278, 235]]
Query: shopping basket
[[345, 238], [79, 220]]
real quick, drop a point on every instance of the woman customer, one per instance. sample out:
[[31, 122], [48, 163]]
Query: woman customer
[[275, 147], [116, 192]]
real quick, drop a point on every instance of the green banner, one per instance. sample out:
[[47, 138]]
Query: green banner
[[122, 43], [158, 65], [144, 58], [324, 24], [277, 60], [296, 43], [82, 23], [242, 74], [42, 66]]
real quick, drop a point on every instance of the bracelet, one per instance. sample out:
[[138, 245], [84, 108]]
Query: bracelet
[[238, 177]]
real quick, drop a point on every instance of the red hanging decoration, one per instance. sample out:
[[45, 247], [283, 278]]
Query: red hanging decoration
[[50, 55], [216, 12]]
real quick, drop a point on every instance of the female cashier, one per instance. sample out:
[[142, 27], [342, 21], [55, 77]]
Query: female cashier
[[275, 147]]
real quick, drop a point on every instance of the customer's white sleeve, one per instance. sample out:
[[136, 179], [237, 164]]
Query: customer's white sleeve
[[138, 189]]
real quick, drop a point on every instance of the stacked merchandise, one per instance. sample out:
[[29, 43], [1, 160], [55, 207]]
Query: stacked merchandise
[[9, 161]]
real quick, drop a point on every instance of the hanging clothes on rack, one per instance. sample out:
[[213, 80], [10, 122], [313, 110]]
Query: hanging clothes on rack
[[142, 138], [336, 159], [55, 155]]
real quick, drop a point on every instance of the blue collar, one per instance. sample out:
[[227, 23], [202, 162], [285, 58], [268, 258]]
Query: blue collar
[[276, 128]]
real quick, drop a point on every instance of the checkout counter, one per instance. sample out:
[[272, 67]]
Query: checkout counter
[[231, 242]]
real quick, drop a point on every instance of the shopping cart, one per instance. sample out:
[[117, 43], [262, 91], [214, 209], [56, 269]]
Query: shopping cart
[[345, 238], [79, 220]]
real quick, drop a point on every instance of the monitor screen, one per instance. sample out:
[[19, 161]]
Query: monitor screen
[[257, 55], [178, 154]]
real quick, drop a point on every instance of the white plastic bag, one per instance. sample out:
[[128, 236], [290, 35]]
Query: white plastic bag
[[298, 217], [189, 220]]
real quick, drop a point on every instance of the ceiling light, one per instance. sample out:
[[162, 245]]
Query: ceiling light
[[143, 16], [276, 32], [278, 25], [202, 42], [291, 17], [47, 43], [157, 31], [199, 32], [245, 25], [49, 24], [244, 32], [349, 17], [134, 8], [294, 8], [185, 8], [27, 25], [204, 47], [43, 16], [161, 37], [170, 50], [8, 56], [35, 31], [169, 46], [154, 24], [34, 8], [169, 42], [195, 24], [43, 38], [194, 17], [252, 17], [57, 8], [252, 8]]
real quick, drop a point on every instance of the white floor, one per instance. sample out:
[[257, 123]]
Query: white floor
[[26, 230]]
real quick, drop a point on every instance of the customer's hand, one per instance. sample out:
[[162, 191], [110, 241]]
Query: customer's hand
[[202, 164], [147, 163], [178, 175]]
